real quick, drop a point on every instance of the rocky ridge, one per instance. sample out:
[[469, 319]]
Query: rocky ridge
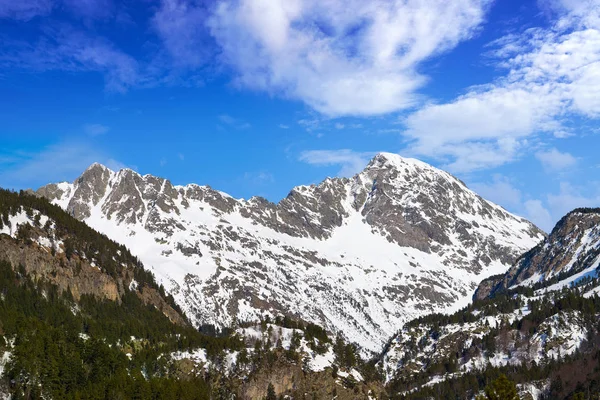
[[359, 256], [537, 322], [50, 251], [570, 253]]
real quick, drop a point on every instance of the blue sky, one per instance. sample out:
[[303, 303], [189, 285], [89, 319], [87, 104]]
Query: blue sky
[[254, 97]]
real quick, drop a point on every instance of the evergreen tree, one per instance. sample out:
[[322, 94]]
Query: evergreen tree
[[500, 389], [271, 392]]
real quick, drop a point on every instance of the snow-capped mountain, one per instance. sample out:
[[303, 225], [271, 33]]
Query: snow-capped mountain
[[568, 255], [359, 256], [542, 310]]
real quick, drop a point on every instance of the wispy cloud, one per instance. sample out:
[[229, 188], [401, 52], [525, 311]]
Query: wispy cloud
[[24, 10], [234, 122], [260, 178], [501, 191], [539, 215], [553, 76], [95, 129], [553, 160], [547, 210], [90, 8], [341, 57], [56, 163], [351, 162], [68, 49], [180, 24]]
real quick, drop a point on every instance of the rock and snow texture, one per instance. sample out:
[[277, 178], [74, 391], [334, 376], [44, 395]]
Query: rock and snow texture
[[315, 361], [570, 254], [360, 255], [417, 348]]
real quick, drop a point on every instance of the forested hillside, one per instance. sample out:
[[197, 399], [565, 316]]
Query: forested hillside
[[548, 344], [80, 318]]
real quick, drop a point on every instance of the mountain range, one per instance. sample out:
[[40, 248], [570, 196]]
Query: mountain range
[[359, 256], [222, 297]]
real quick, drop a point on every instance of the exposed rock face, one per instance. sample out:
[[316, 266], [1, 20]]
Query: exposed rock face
[[43, 256], [287, 378], [60, 271], [572, 247], [357, 255]]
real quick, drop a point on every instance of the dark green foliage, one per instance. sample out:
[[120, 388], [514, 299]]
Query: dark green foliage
[[78, 238], [346, 355], [50, 350], [501, 388], [316, 337], [271, 392]]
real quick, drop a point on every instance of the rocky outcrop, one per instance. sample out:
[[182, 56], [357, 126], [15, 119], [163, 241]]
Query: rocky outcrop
[[41, 250], [572, 246], [75, 275], [289, 379], [359, 255]]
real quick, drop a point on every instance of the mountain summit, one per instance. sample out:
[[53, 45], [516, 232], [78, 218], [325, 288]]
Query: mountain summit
[[359, 255]]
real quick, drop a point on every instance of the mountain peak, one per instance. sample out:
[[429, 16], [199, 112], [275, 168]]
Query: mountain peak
[[96, 166], [396, 161], [382, 238]]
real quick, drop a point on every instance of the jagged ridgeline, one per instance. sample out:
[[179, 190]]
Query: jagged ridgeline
[[570, 253], [79, 316], [537, 324], [359, 255], [81, 319]]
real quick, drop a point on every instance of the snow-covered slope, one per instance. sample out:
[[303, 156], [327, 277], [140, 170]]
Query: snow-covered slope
[[436, 349], [569, 256], [359, 256]]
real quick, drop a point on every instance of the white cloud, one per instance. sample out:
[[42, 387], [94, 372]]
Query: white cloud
[[260, 178], [555, 205], [95, 129], [584, 12], [570, 197], [90, 8], [283, 126], [539, 215], [181, 26], [116, 165], [56, 163], [554, 74], [66, 49], [24, 10], [554, 160], [350, 57], [234, 122], [351, 162], [500, 191]]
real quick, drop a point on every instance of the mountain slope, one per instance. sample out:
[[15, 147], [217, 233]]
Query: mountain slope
[[536, 323], [570, 254], [534, 338], [80, 318], [52, 246], [358, 256]]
